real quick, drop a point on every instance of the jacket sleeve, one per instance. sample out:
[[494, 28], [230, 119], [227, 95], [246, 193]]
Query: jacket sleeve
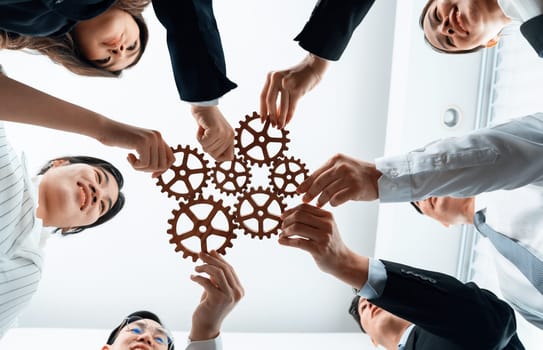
[[533, 32], [442, 305], [331, 26], [506, 156], [195, 48]]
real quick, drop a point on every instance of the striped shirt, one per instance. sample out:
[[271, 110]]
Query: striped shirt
[[20, 235]]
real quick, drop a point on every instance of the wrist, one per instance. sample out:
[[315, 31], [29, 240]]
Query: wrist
[[353, 269], [318, 64], [201, 332]]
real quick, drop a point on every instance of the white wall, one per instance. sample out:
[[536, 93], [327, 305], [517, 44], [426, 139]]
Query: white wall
[[94, 279]]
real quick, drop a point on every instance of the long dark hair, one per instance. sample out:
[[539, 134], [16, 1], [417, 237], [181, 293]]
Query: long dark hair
[[97, 162], [64, 51]]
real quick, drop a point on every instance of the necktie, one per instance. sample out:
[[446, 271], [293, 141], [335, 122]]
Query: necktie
[[522, 258]]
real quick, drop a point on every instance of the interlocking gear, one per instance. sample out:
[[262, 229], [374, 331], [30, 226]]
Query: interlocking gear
[[216, 220], [190, 174], [261, 207], [264, 147], [286, 175], [232, 177]]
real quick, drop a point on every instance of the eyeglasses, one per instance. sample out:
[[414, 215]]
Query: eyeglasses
[[136, 325]]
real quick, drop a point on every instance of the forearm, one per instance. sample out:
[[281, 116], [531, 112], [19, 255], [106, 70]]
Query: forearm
[[351, 269], [23, 104], [504, 157]]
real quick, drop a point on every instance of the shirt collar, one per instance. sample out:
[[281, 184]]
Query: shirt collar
[[405, 336]]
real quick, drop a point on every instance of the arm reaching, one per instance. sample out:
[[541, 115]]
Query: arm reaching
[[222, 291], [288, 86], [23, 104]]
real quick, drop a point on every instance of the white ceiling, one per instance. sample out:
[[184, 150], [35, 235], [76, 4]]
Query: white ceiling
[[92, 280]]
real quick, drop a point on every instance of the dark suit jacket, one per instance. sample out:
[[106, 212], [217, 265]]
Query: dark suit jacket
[[448, 314], [196, 51], [533, 32]]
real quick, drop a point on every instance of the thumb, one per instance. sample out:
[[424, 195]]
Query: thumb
[[132, 159]]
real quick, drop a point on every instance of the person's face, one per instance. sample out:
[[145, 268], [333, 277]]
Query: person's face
[[446, 210], [375, 321], [143, 334], [74, 195], [459, 25], [110, 41]]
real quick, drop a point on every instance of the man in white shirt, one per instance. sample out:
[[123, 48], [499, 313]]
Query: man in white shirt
[[462, 26], [222, 291], [515, 214]]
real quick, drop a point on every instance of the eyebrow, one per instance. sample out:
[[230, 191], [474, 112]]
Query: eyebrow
[[110, 202], [130, 55]]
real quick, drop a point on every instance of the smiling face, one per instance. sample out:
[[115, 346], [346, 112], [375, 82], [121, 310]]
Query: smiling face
[[74, 195], [462, 25], [110, 41]]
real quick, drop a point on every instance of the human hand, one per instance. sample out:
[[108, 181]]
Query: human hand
[[342, 178], [154, 155], [222, 291], [214, 133], [314, 230], [292, 84]]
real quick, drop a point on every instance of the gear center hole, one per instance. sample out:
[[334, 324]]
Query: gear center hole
[[261, 139], [260, 213], [202, 229], [183, 172], [230, 175]]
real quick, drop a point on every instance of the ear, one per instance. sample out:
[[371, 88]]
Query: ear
[[493, 42], [59, 162], [445, 224], [106, 347]]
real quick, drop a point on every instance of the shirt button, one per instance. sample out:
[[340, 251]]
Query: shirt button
[[58, 2], [393, 172]]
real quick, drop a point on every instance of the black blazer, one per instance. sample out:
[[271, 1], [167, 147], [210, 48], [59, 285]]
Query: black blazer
[[533, 32], [448, 314], [196, 51]]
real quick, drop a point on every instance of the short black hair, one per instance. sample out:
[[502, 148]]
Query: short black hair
[[97, 162], [136, 315], [417, 208], [353, 311]]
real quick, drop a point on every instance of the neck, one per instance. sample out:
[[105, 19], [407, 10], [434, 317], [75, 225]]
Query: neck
[[469, 211], [41, 211], [396, 331]]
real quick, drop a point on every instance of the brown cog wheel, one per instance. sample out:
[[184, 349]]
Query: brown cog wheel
[[190, 174], [258, 212], [259, 143], [231, 177], [286, 175], [201, 218]]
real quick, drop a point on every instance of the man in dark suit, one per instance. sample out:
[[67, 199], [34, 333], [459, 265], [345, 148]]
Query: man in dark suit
[[402, 307]]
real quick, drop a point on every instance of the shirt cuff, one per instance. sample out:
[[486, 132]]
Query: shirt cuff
[[377, 279], [210, 103], [394, 183], [210, 344]]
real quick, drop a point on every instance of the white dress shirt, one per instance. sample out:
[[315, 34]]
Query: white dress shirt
[[21, 236], [517, 214], [506, 156], [521, 10]]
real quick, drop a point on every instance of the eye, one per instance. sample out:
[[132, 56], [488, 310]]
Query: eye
[[98, 177], [102, 207], [161, 340], [103, 60], [133, 46], [136, 330], [449, 41], [436, 15]]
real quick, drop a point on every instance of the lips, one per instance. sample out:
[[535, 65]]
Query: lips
[[140, 347], [84, 196]]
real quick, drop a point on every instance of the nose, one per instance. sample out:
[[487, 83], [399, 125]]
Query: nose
[[96, 193], [146, 337], [445, 27], [118, 49]]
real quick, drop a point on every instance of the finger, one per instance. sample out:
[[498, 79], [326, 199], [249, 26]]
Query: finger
[[307, 183], [204, 282], [282, 116], [299, 243], [263, 94], [216, 275], [293, 101], [341, 197], [232, 275], [216, 261], [228, 154], [319, 184], [330, 190], [271, 98]]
